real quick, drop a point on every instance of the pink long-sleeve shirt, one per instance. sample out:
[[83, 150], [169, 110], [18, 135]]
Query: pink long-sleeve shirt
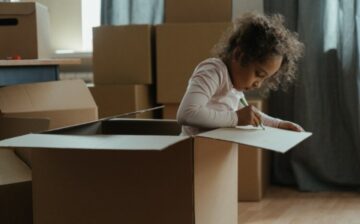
[[211, 101]]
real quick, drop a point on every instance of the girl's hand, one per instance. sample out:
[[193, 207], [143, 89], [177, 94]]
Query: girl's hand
[[248, 116], [290, 126]]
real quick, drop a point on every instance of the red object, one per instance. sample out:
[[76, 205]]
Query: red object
[[15, 57]]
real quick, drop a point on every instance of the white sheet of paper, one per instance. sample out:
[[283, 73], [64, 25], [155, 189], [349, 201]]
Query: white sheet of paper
[[275, 139]]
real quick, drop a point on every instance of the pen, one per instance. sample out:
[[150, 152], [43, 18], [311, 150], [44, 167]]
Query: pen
[[244, 103]]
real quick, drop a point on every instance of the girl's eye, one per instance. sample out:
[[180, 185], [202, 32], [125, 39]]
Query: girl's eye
[[258, 74]]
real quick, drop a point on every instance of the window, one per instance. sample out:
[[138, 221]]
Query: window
[[90, 15]]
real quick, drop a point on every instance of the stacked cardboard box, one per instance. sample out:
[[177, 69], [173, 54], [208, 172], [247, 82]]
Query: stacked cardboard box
[[123, 69], [254, 163], [32, 108], [179, 48], [24, 30], [190, 31], [199, 11], [188, 36]]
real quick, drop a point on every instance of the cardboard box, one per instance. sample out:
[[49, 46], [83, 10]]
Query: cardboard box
[[15, 175], [118, 99], [254, 166], [15, 189], [170, 111], [24, 30], [200, 11], [132, 171], [63, 103], [179, 49], [254, 163], [33, 108], [123, 54]]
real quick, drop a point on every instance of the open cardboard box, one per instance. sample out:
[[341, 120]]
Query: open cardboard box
[[137, 171], [61, 103], [30, 108], [15, 175]]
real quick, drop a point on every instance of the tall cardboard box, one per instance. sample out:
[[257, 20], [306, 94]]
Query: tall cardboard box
[[123, 54], [254, 163], [199, 11], [254, 166], [24, 30], [179, 48], [119, 99]]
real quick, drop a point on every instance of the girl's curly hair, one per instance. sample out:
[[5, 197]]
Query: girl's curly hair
[[258, 37]]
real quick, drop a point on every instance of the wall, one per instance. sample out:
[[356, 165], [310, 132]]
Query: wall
[[241, 6], [65, 22]]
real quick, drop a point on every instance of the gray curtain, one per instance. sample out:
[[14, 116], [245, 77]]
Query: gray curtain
[[325, 98], [124, 12]]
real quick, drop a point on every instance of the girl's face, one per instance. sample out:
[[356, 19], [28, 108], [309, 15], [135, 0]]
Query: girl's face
[[252, 75]]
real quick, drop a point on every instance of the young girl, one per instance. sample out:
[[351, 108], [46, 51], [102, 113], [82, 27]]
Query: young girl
[[258, 51]]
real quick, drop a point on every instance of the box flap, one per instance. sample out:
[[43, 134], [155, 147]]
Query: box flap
[[93, 142], [13, 170], [23, 8], [45, 96], [11, 127], [274, 139]]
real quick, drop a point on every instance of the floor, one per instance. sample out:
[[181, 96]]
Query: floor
[[285, 205]]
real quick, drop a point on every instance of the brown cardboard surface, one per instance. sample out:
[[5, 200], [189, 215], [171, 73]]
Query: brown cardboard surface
[[215, 181], [123, 54], [34, 108], [13, 170], [55, 95], [205, 11], [11, 127], [254, 163], [163, 184], [15, 189], [31, 20], [179, 48], [170, 110], [118, 99], [254, 166], [123, 187], [62, 103], [254, 173]]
